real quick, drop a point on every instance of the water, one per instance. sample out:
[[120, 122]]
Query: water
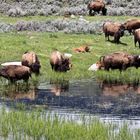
[[111, 103]]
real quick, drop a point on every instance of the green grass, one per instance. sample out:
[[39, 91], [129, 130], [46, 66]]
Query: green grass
[[13, 20], [13, 45], [35, 125]]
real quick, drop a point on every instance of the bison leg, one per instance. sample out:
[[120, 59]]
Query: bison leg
[[90, 12], [135, 42], [139, 44]]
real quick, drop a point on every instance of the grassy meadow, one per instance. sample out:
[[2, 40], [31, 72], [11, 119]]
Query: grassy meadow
[[14, 44]]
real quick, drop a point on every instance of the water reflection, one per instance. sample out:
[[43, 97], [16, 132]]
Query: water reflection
[[118, 89], [58, 87], [87, 96]]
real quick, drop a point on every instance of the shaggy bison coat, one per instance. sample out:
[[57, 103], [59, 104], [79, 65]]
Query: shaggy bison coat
[[113, 29], [30, 59], [132, 24], [15, 72], [59, 62], [97, 6], [137, 37], [119, 60]]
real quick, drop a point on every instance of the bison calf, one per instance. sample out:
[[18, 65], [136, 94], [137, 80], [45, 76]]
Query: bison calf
[[59, 62], [30, 59], [84, 48], [15, 72]]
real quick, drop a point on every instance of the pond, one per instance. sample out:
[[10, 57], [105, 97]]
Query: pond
[[113, 103]]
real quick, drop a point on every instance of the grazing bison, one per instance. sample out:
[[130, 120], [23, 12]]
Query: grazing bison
[[60, 62], [97, 6], [31, 60], [137, 37], [113, 29], [84, 48], [119, 60], [132, 24], [15, 72]]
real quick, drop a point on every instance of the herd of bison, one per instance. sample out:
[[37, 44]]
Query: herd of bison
[[61, 62]]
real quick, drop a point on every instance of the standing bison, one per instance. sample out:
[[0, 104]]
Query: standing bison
[[31, 60], [137, 37], [97, 6], [15, 72], [113, 29], [59, 62], [132, 24], [119, 60]]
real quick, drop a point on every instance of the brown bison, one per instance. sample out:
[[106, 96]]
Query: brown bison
[[59, 62], [30, 59], [137, 37], [83, 49], [113, 29], [132, 24], [97, 6], [119, 60], [15, 72]]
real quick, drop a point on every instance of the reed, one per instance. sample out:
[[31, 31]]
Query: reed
[[37, 125]]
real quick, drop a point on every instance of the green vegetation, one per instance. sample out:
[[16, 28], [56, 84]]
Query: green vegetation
[[36, 125], [13, 45], [12, 20]]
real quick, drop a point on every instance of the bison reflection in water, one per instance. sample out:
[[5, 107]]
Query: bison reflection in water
[[20, 94], [118, 89], [57, 87], [15, 72]]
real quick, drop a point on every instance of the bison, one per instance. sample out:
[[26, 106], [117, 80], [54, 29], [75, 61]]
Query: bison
[[84, 48], [59, 62], [119, 60], [30, 59], [15, 72], [132, 24], [137, 37], [113, 29], [97, 6]]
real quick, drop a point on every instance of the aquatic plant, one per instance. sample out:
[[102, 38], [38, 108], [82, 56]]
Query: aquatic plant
[[38, 125]]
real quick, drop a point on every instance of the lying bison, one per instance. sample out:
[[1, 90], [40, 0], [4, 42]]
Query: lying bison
[[113, 29], [83, 49], [132, 24], [15, 72], [137, 37], [59, 62], [97, 6], [30, 59], [119, 60]]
